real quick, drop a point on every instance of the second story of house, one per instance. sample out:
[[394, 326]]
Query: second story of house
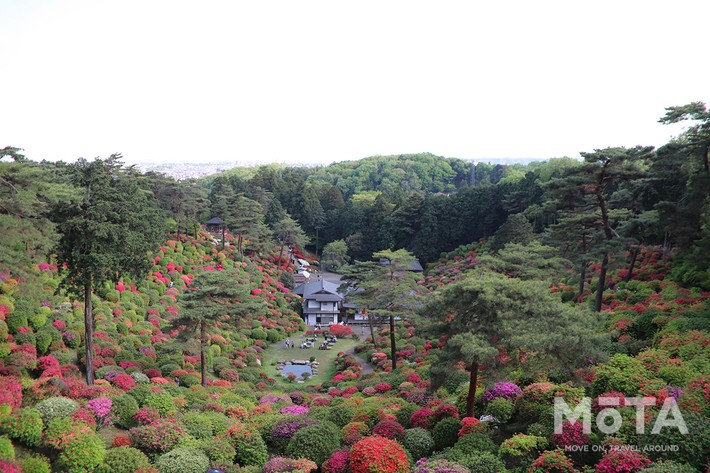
[[320, 297]]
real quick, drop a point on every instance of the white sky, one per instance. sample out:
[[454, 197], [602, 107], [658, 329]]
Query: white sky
[[299, 81]]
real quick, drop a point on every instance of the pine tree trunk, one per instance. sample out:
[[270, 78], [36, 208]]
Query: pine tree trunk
[[602, 283], [473, 381], [393, 343], [223, 231], [632, 263], [281, 252], [203, 358], [89, 333], [582, 280]]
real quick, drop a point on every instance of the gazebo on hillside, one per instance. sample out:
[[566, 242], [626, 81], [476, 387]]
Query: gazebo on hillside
[[214, 225]]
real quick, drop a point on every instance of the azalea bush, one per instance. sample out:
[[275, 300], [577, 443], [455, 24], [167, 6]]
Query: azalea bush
[[621, 461], [503, 390], [390, 429], [183, 460], [56, 408], [125, 460], [316, 443], [84, 454], [378, 455], [339, 462]]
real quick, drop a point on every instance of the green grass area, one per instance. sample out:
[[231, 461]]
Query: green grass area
[[326, 358]]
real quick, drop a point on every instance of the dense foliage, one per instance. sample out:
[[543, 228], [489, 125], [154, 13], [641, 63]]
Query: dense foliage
[[540, 289]]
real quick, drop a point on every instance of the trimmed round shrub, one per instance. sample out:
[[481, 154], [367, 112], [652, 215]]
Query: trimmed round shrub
[[476, 442], [84, 454], [667, 466], [26, 427], [390, 429], [140, 378], [249, 447], [378, 455], [35, 463], [7, 450], [183, 460], [140, 392], [446, 432], [162, 402], [56, 408], [219, 450], [156, 437], [438, 466], [317, 443], [339, 462], [205, 425], [123, 409], [484, 463], [418, 442], [501, 409], [125, 460], [284, 430], [405, 413], [341, 414]]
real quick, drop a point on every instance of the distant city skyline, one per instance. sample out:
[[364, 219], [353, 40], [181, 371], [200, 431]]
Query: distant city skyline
[[321, 82]]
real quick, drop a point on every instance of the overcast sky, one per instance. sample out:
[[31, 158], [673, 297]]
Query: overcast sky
[[299, 81]]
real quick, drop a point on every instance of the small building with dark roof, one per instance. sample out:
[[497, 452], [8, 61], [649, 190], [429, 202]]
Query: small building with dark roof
[[322, 303]]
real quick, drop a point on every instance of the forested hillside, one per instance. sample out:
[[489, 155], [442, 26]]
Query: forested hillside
[[135, 337]]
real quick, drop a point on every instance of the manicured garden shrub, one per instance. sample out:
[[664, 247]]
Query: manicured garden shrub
[[10, 391], [423, 418], [140, 392], [101, 408], [7, 450], [668, 466], [390, 429], [284, 430], [123, 409], [476, 442], [553, 461], [341, 414], [125, 460], [249, 446], [621, 461], [339, 462], [446, 432], [61, 432], [156, 437], [83, 454], [162, 402], [354, 431], [621, 373], [140, 378], [693, 448], [183, 460], [503, 390], [521, 450], [501, 409], [405, 413], [316, 442], [35, 463], [286, 465], [25, 427], [205, 425], [484, 462], [418, 442], [219, 450], [56, 408], [438, 466], [378, 455]]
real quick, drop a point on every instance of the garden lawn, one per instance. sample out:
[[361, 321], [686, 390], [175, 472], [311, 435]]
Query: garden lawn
[[326, 358]]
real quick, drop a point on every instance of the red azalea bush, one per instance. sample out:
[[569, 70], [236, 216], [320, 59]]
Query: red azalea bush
[[572, 434], [468, 425], [378, 455], [10, 391], [621, 461], [390, 429], [423, 418], [339, 462], [552, 461]]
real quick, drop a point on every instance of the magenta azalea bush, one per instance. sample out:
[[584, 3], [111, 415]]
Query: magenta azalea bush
[[101, 407], [503, 390], [294, 410]]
